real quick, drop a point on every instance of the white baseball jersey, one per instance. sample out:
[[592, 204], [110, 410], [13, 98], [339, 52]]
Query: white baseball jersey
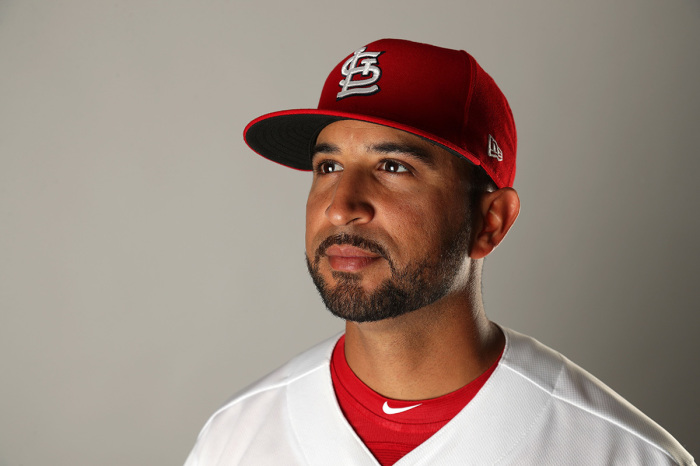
[[537, 408]]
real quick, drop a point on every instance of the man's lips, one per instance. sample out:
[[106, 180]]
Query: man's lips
[[346, 258], [345, 250]]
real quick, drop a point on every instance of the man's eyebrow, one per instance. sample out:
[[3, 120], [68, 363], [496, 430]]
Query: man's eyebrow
[[324, 148], [411, 150]]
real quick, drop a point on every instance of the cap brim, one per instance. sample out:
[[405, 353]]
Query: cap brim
[[288, 137]]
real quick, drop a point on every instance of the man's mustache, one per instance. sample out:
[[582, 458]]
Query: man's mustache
[[351, 240]]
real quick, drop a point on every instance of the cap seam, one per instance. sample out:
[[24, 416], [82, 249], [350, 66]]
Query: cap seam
[[468, 61]]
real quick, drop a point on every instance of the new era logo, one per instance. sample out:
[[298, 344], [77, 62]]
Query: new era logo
[[494, 150]]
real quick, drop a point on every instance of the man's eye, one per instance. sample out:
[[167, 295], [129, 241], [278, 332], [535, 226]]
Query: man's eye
[[393, 166], [328, 166]]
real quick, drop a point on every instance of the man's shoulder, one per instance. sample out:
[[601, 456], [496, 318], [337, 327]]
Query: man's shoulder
[[315, 358], [548, 370], [578, 396], [273, 384], [259, 414]]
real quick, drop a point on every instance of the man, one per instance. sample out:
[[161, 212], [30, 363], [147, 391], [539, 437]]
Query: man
[[412, 149]]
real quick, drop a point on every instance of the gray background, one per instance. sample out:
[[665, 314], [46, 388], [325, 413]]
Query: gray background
[[151, 265]]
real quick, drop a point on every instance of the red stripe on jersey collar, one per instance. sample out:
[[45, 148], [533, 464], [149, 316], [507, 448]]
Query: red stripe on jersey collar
[[391, 436]]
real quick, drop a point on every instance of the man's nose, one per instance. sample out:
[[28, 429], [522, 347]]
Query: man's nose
[[351, 202]]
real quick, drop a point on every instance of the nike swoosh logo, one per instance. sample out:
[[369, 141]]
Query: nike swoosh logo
[[389, 410]]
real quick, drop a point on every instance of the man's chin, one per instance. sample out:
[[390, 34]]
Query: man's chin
[[363, 286], [339, 278], [345, 295]]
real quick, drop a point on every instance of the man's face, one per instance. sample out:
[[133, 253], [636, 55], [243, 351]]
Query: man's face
[[387, 221]]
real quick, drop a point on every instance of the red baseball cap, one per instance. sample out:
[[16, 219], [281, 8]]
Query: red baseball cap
[[439, 94]]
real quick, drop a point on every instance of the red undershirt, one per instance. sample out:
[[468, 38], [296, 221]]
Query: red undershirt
[[391, 436]]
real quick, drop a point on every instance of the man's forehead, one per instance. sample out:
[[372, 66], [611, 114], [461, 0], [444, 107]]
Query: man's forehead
[[345, 129]]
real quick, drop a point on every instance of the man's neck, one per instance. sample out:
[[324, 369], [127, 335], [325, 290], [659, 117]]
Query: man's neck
[[426, 353]]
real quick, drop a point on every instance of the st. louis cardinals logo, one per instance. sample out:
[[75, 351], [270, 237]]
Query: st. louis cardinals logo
[[361, 63]]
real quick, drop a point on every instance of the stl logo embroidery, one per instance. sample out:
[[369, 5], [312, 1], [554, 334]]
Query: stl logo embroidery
[[494, 150], [361, 63]]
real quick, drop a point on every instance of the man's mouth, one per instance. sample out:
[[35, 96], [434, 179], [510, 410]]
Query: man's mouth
[[346, 258], [350, 253]]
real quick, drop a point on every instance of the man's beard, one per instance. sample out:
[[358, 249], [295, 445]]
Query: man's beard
[[418, 284]]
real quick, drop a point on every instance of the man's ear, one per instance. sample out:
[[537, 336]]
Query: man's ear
[[496, 214]]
